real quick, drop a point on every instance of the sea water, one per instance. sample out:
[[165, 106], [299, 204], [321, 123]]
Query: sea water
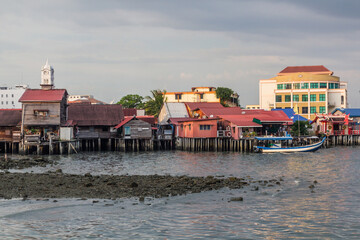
[[331, 210]]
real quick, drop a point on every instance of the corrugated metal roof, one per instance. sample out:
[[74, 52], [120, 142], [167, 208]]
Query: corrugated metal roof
[[10, 117], [40, 95], [354, 112], [203, 105], [176, 110], [95, 115], [291, 114], [241, 120], [129, 111], [148, 119]]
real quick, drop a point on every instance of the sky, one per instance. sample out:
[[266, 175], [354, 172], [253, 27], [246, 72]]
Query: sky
[[113, 48]]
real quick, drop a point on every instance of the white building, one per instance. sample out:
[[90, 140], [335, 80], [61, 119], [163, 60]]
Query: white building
[[9, 96]]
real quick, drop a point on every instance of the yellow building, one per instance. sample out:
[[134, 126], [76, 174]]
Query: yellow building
[[197, 94], [252, 107], [312, 89]]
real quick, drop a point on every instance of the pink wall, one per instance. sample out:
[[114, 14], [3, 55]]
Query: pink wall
[[191, 129]]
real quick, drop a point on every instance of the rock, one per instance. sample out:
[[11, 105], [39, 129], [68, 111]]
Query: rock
[[141, 199], [87, 175], [311, 186], [315, 182], [236, 199], [59, 170], [134, 185], [95, 201]]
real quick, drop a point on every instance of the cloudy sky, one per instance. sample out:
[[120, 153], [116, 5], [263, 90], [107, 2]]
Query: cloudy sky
[[113, 48]]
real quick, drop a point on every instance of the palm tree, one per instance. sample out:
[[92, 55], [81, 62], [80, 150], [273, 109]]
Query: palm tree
[[153, 104]]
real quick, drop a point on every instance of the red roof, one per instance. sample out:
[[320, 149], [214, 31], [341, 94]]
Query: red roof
[[241, 121], [129, 111], [123, 122], [39, 95], [203, 105], [148, 119], [295, 69], [177, 120]]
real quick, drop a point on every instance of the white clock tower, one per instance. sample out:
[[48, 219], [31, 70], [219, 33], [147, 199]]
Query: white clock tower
[[47, 77]]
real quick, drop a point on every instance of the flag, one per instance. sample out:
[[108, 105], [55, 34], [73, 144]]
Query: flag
[[347, 119], [296, 109]]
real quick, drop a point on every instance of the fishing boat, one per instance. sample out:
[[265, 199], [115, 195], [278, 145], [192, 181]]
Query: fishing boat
[[274, 144]]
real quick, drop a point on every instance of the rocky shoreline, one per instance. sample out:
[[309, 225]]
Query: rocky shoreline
[[59, 185]]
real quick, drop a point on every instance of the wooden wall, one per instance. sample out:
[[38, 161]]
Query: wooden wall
[[139, 130], [53, 118]]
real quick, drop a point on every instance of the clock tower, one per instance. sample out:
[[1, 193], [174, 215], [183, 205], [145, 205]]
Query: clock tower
[[47, 77]]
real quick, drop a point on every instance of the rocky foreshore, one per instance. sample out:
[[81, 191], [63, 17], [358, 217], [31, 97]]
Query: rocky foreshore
[[23, 162], [59, 185]]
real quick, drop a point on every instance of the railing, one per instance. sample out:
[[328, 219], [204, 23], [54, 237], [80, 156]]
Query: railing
[[355, 132], [223, 133]]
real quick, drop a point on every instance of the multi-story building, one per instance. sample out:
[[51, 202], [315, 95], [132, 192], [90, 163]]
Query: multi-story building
[[9, 96], [197, 94], [306, 89]]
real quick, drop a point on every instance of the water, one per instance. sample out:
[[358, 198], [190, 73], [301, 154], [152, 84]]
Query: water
[[290, 210]]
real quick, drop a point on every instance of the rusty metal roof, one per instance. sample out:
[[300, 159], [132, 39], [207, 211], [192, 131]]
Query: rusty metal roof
[[40, 95], [95, 115], [10, 117]]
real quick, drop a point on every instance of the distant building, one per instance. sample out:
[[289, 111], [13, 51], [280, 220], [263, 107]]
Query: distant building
[[9, 97], [252, 106], [197, 94], [83, 99], [310, 89]]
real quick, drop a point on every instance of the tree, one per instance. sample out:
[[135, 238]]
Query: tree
[[154, 103], [304, 127], [132, 101], [226, 96]]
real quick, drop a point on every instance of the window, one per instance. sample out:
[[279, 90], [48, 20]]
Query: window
[[314, 85], [336, 86], [2, 102], [304, 98], [304, 110], [178, 96], [312, 97], [287, 86], [296, 85], [304, 85], [206, 127], [331, 85], [7, 102], [287, 98], [6, 95], [295, 98], [12, 102], [323, 85], [201, 96], [42, 113], [322, 109], [189, 126], [12, 95], [322, 97], [280, 86], [127, 131], [312, 109], [182, 126], [2, 95], [278, 98], [342, 100]]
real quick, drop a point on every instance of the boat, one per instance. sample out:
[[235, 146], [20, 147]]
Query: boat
[[274, 145]]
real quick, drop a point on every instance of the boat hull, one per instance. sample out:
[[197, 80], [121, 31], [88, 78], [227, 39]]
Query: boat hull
[[307, 148]]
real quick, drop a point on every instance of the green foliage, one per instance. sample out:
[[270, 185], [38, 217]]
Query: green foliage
[[154, 103], [304, 127], [226, 96], [132, 101]]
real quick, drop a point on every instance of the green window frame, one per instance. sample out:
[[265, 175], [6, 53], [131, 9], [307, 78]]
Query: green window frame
[[322, 109], [305, 110], [280, 86], [312, 97], [305, 97], [304, 85], [323, 85], [296, 98], [312, 109], [322, 97], [287, 98], [337, 86], [296, 85], [278, 98], [314, 85], [287, 86], [331, 85]]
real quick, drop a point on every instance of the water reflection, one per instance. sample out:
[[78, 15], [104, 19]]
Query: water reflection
[[292, 210]]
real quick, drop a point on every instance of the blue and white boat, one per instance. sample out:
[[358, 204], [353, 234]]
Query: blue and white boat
[[276, 145]]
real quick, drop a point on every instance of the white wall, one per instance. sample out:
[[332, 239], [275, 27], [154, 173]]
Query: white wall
[[9, 97]]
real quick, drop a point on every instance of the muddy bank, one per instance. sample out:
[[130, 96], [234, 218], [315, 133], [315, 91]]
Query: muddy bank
[[21, 163], [59, 185]]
